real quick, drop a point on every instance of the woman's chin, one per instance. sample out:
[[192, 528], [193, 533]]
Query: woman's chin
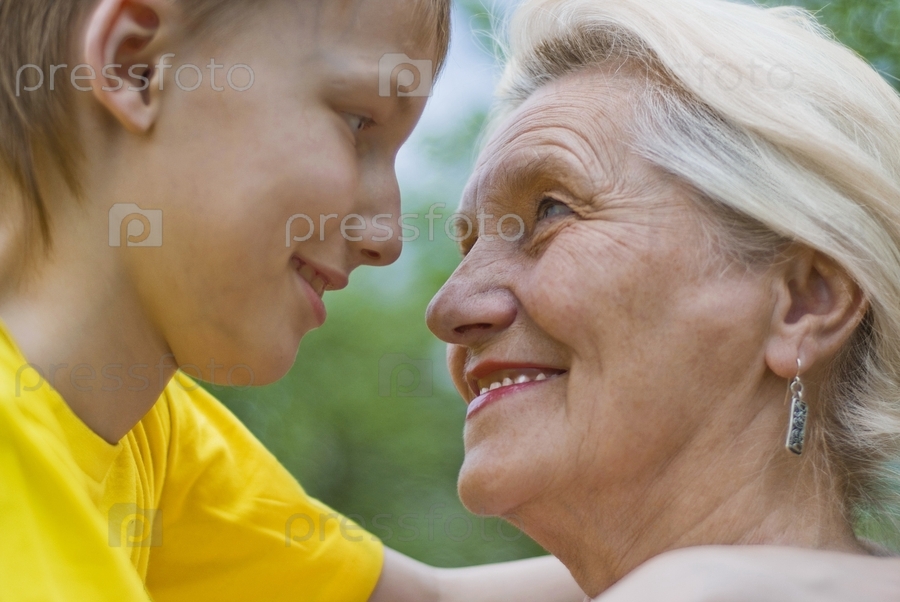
[[489, 490]]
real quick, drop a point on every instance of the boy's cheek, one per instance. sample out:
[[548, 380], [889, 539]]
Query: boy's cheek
[[253, 189], [316, 164]]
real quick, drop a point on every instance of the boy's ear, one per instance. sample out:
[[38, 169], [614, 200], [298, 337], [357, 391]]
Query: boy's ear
[[818, 306], [119, 47]]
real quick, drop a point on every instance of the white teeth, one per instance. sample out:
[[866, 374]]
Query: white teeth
[[307, 273], [508, 381], [318, 285], [315, 281]]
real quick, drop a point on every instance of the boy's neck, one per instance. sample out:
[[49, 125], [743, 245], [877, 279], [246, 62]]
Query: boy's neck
[[76, 319]]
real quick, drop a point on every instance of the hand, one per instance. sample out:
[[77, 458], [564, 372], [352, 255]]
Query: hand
[[759, 574]]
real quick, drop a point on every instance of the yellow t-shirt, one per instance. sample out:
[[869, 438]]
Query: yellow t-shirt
[[188, 506]]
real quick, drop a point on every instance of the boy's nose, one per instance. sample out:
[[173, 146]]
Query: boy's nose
[[379, 201], [378, 246]]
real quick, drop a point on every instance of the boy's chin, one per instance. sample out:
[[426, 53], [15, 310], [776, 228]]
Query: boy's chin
[[242, 376], [246, 369]]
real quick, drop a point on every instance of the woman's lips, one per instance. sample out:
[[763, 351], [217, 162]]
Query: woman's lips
[[499, 383]]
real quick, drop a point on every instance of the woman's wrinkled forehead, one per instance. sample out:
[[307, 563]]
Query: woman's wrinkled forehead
[[577, 125]]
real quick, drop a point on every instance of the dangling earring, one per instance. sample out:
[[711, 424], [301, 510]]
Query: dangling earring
[[799, 414]]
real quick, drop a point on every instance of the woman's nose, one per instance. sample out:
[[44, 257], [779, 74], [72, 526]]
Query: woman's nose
[[471, 307]]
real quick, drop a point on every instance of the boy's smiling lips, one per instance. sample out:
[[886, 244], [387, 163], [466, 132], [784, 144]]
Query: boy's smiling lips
[[316, 280], [321, 278]]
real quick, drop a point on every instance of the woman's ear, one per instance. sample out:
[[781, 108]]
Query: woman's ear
[[120, 48], [818, 306]]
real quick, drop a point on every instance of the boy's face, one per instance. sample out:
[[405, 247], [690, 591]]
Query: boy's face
[[231, 289]]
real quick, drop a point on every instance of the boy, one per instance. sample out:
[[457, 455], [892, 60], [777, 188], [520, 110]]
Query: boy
[[153, 152]]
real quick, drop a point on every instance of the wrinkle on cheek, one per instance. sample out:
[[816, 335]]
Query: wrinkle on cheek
[[598, 253], [584, 414], [485, 263], [655, 242], [542, 239], [457, 359], [588, 271]]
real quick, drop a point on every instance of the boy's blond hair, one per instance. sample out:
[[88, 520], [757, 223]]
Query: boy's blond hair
[[37, 125]]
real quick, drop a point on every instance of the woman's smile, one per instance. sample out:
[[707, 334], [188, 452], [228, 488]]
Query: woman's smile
[[491, 381]]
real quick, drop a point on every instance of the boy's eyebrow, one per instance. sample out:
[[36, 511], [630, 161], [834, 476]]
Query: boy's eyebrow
[[357, 75]]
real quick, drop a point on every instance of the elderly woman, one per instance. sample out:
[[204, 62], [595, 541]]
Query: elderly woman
[[677, 322]]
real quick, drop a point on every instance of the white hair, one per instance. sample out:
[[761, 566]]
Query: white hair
[[788, 136]]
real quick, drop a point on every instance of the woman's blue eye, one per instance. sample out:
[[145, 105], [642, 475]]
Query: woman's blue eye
[[552, 208]]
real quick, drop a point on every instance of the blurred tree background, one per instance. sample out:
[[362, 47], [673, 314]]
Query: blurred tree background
[[871, 27], [368, 419]]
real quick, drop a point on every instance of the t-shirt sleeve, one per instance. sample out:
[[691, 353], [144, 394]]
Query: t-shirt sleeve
[[236, 525]]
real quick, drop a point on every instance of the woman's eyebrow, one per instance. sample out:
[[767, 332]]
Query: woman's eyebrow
[[541, 170], [513, 174]]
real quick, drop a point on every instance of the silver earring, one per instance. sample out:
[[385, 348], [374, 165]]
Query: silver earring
[[799, 414]]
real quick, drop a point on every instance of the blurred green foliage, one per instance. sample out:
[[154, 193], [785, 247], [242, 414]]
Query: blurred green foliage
[[369, 454], [871, 27]]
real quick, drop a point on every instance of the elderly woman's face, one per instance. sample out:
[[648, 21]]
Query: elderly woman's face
[[643, 335]]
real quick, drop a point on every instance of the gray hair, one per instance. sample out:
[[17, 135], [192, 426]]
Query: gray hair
[[789, 137]]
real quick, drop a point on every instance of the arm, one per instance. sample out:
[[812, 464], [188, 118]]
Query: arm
[[759, 574], [535, 580]]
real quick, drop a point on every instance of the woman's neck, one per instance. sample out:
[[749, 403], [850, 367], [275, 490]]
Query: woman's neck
[[751, 491]]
